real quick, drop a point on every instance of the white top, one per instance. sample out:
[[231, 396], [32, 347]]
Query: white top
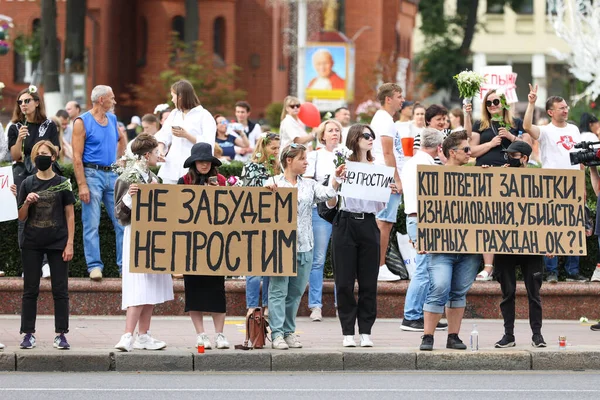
[[383, 125], [252, 138], [345, 135], [198, 122], [409, 180], [290, 129], [323, 161], [556, 144], [404, 129]]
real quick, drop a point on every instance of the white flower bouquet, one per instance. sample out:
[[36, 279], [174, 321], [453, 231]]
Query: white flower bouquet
[[469, 83]]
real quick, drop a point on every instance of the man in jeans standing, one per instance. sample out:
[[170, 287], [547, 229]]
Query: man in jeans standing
[[96, 145], [431, 142]]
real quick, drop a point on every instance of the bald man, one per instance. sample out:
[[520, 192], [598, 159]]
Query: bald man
[[326, 79]]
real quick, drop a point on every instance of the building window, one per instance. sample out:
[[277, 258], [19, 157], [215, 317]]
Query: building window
[[526, 7], [143, 42], [342, 16], [495, 7], [219, 37], [178, 25]]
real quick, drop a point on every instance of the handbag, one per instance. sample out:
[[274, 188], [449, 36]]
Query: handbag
[[395, 262], [22, 169], [256, 331]]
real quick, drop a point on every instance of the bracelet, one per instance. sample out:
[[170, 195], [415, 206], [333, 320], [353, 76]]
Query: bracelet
[[488, 265]]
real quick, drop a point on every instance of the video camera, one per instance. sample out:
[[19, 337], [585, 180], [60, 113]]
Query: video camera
[[589, 157]]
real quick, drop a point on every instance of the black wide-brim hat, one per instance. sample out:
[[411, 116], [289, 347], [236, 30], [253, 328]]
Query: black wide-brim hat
[[201, 152]]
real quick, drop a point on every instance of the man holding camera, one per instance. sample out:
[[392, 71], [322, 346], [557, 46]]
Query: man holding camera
[[557, 140]]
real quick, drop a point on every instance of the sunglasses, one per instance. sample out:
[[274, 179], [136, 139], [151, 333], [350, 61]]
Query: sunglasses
[[508, 155], [368, 135], [494, 102], [466, 149], [294, 105], [26, 101], [223, 123], [297, 146]]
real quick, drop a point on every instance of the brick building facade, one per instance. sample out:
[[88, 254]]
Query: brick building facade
[[126, 39]]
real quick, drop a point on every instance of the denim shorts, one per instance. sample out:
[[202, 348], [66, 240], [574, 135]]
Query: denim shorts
[[390, 212]]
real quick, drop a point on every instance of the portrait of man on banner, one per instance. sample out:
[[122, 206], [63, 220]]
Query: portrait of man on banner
[[326, 72]]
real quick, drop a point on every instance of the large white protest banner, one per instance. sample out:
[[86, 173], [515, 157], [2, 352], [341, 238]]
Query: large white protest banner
[[500, 77], [368, 181], [8, 211]]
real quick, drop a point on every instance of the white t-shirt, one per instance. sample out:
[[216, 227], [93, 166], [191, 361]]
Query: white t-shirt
[[409, 180], [383, 125], [290, 129], [320, 164], [404, 129], [556, 144]]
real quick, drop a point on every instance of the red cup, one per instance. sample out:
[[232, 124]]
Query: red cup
[[200, 349], [407, 146]]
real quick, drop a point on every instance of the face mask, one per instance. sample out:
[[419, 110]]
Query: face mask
[[514, 162], [42, 163]]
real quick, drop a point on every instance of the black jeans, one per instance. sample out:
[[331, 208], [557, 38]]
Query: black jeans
[[532, 267], [59, 270], [355, 252]]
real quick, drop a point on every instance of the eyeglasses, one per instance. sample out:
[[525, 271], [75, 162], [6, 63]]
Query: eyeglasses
[[466, 149], [494, 102], [294, 105], [26, 101], [567, 108], [368, 135], [509, 155]]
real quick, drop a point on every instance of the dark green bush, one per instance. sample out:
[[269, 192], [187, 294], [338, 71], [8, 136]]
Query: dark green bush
[[273, 114]]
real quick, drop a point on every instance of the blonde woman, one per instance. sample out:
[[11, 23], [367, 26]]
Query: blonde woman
[[292, 130]]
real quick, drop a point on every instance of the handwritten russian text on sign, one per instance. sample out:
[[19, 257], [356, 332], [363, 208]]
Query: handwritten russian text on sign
[[368, 181], [500, 77], [205, 230], [9, 210], [501, 210]]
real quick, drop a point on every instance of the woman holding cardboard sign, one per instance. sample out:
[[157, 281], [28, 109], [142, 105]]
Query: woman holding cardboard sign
[[285, 292]]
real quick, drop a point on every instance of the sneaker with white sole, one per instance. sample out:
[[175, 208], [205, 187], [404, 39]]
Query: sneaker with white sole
[[385, 275], [316, 314], [28, 341], [365, 340], [349, 341], [292, 341], [221, 341], [46, 271], [596, 275], [279, 344], [147, 342], [203, 339], [126, 343], [2, 273], [60, 342], [1, 346], [96, 274]]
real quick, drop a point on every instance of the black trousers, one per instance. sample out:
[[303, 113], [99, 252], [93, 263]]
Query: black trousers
[[355, 252], [532, 267], [59, 275]]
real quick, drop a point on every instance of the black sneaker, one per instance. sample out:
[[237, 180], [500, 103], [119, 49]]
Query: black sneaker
[[552, 278], [537, 340], [576, 278], [426, 343], [417, 325], [595, 327], [455, 343], [506, 341], [441, 326]]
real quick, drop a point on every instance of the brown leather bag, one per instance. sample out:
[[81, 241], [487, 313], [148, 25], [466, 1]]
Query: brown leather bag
[[256, 331]]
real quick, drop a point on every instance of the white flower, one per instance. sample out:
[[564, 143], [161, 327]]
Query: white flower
[[258, 155], [2, 85], [32, 89], [500, 92], [160, 108], [583, 320]]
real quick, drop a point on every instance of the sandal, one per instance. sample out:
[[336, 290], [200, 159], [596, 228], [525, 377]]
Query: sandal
[[484, 275]]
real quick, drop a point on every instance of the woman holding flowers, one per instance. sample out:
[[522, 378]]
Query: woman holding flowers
[[285, 292], [355, 249], [46, 209], [321, 166], [141, 292], [263, 164]]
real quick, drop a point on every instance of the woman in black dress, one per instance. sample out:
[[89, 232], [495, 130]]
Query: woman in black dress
[[205, 294]]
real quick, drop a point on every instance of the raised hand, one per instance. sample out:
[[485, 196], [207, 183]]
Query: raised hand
[[532, 96]]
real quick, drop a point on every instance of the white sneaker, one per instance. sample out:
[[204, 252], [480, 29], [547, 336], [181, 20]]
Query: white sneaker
[[221, 341], [596, 275], [365, 340], [385, 275], [46, 271], [202, 338], [292, 341], [147, 342], [126, 343], [349, 341], [316, 315], [279, 344], [1, 346], [1, 273]]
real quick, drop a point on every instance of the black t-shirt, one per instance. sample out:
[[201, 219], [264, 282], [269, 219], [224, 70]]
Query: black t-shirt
[[46, 225], [37, 132], [495, 157]]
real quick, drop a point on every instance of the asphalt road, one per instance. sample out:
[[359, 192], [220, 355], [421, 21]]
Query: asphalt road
[[420, 385]]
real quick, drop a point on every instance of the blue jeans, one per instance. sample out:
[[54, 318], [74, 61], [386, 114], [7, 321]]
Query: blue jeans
[[102, 187], [390, 212], [322, 234], [451, 277], [253, 291], [571, 265], [419, 282], [285, 293]]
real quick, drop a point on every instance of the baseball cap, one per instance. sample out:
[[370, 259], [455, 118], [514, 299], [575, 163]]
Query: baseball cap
[[519, 146], [136, 120], [407, 104]]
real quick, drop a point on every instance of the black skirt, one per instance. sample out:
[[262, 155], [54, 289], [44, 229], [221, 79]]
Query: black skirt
[[205, 293]]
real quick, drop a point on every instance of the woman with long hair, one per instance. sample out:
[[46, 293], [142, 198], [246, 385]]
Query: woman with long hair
[[205, 294], [228, 140], [292, 130], [589, 126], [355, 250], [187, 124]]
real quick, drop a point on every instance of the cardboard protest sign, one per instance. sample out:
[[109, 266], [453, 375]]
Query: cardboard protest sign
[[501, 210], [368, 181], [208, 230], [9, 210]]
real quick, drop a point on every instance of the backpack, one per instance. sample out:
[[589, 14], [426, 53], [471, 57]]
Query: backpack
[[256, 331]]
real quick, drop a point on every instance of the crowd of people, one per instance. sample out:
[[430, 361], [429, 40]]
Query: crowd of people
[[190, 144]]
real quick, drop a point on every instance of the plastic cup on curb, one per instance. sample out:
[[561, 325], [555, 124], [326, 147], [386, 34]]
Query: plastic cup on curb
[[200, 349]]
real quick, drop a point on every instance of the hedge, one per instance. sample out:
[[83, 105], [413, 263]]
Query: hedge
[[10, 258]]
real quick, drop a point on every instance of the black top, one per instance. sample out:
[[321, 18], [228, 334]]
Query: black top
[[495, 157], [37, 132], [46, 225]]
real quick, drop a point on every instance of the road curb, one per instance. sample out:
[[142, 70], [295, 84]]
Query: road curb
[[302, 360], [62, 361], [466, 360], [154, 361], [251, 360], [7, 361], [565, 360], [379, 361]]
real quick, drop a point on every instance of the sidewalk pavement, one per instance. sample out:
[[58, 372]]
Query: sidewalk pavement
[[92, 339]]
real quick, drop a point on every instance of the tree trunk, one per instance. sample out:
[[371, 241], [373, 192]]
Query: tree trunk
[[192, 23], [470, 24], [75, 42], [50, 57]]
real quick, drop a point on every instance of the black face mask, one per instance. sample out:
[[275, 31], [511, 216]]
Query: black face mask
[[42, 163], [514, 162]]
